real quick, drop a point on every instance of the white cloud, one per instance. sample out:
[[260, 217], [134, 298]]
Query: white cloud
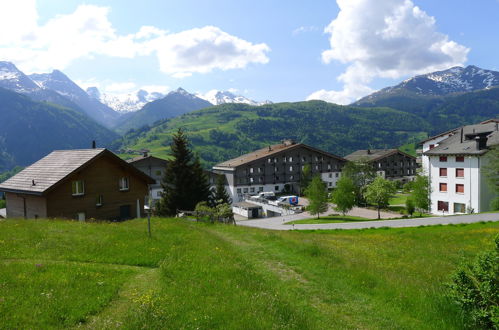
[[87, 32], [121, 87], [387, 39], [304, 29]]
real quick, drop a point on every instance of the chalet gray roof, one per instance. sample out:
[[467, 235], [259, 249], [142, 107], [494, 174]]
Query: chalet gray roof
[[270, 151], [464, 141], [373, 154], [144, 157], [51, 169]]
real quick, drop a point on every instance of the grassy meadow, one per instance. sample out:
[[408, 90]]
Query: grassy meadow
[[59, 274]]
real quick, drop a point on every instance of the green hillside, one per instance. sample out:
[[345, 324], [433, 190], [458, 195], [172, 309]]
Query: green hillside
[[30, 130], [226, 131], [64, 274]]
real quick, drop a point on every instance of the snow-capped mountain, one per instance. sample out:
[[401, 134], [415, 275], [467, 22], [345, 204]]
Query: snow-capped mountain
[[14, 79], [60, 83], [454, 80], [125, 102], [216, 97]]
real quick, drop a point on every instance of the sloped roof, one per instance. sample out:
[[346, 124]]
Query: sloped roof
[[269, 151], [51, 169], [372, 155], [453, 145], [142, 157]]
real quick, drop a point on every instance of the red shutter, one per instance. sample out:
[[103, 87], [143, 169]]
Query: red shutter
[[443, 186], [460, 188], [459, 172], [443, 171], [443, 158], [460, 159]]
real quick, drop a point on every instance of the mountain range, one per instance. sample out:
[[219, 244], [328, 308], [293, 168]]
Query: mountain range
[[222, 124]]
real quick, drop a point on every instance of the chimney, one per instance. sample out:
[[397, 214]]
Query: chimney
[[270, 149], [145, 154], [462, 135], [33, 183], [94, 144]]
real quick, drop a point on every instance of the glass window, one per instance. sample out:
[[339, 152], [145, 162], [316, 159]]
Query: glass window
[[330, 184], [443, 187], [460, 188], [443, 158], [291, 168], [124, 183], [252, 189], [260, 188], [245, 190], [459, 159], [276, 188], [336, 175], [251, 180], [459, 172], [459, 208], [251, 170], [238, 190], [330, 175], [443, 206], [443, 171], [290, 159], [78, 188], [99, 200]]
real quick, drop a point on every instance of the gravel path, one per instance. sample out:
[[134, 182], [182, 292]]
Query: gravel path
[[277, 223]]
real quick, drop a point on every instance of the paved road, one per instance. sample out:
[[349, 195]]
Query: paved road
[[277, 223]]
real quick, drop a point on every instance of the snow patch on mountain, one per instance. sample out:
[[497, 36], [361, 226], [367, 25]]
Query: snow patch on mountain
[[126, 102], [217, 97]]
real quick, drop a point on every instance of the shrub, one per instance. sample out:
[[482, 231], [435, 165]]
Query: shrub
[[475, 288]]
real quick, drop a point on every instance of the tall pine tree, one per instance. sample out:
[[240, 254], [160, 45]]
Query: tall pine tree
[[184, 182], [220, 195]]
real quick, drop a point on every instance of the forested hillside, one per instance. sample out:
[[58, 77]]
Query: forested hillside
[[226, 131]]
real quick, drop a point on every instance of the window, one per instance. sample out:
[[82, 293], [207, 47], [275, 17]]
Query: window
[[252, 189], [460, 188], [269, 160], [158, 194], [316, 158], [99, 200], [459, 172], [379, 165], [260, 189], [328, 166], [259, 170], [459, 208], [124, 184], [443, 159], [276, 188], [245, 190], [78, 188], [443, 206], [290, 159], [336, 175], [251, 170], [238, 190], [460, 159], [330, 175], [291, 177], [330, 184], [251, 180], [443, 171], [303, 159], [291, 168], [443, 187], [432, 146]]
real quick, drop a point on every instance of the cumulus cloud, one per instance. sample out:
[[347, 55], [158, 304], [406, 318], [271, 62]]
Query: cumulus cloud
[[387, 39], [87, 32]]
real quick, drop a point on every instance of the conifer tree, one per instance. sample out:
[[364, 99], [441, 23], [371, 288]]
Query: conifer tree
[[220, 195], [184, 182]]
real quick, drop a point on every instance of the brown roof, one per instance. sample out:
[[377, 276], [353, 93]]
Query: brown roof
[[142, 157], [270, 151], [372, 155], [53, 168]]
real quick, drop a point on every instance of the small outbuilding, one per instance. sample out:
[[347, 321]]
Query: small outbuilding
[[247, 210]]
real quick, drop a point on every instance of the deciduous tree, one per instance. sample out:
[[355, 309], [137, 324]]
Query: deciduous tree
[[362, 173], [379, 192], [316, 194], [491, 172], [421, 193], [344, 195]]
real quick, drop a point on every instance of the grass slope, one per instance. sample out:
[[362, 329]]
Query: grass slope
[[57, 274]]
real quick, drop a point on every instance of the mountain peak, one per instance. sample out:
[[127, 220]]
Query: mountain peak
[[217, 97]]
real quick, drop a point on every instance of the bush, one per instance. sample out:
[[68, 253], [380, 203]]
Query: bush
[[494, 205], [475, 288]]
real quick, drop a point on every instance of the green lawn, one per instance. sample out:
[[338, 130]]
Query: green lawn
[[58, 274], [398, 199], [330, 219]]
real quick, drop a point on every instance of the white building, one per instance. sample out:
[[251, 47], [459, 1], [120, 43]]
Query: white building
[[453, 162]]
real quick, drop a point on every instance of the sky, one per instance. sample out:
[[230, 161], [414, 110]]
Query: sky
[[278, 50]]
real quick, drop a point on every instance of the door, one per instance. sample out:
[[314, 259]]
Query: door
[[254, 213], [81, 216], [125, 212]]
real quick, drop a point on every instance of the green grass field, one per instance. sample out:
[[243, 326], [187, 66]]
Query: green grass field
[[58, 274], [398, 199]]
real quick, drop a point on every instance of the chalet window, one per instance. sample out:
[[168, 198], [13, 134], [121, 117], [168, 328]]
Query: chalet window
[[443, 187], [276, 188], [460, 188], [459, 172], [251, 170], [303, 159], [99, 200], [328, 166], [251, 180], [459, 208], [316, 158], [317, 167], [259, 170], [336, 175], [276, 160], [443, 159], [290, 159], [330, 184], [124, 184], [460, 159], [330, 175], [291, 168], [443, 171], [78, 188], [238, 190], [379, 165], [252, 189], [269, 160], [260, 188], [284, 159], [261, 179], [443, 206], [291, 177], [245, 190]]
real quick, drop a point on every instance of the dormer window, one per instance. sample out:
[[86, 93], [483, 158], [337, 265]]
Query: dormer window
[[124, 184]]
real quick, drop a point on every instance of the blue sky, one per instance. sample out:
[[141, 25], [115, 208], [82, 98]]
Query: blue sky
[[276, 50]]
